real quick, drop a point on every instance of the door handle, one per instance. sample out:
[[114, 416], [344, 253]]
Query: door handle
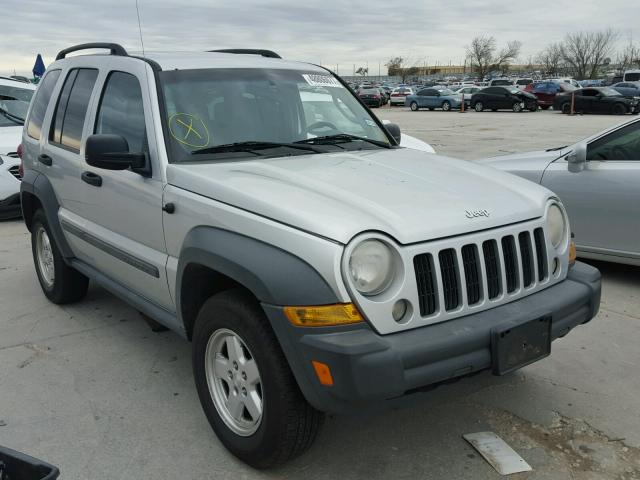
[[92, 179], [45, 159]]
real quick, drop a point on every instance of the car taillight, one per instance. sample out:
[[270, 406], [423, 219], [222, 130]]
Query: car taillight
[[21, 167]]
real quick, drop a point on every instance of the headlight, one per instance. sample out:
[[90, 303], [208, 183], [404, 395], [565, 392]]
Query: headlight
[[556, 225], [371, 267]]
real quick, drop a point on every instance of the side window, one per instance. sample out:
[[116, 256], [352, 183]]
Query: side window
[[423, 93], [491, 90], [40, 103], [623, 144], [71, 110], [121, 111]]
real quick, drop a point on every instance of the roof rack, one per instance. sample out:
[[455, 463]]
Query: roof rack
[[249, 51], [114, 49]]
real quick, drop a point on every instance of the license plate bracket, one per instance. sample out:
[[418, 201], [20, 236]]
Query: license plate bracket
[[513, 347]]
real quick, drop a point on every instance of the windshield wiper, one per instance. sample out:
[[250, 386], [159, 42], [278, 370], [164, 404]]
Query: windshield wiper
[[342, 138], [253, 147], [555, 149], [12, 117]]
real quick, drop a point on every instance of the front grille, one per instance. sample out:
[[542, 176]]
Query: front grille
[[15, 171], [483, 271]]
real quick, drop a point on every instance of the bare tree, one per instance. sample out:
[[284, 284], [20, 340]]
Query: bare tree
[[484, 59], [585, 52], [628, 57], [362, 71], [551, 58]]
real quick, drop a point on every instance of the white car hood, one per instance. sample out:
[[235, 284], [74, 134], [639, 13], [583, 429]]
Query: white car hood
[[10, 137], [410, 195]]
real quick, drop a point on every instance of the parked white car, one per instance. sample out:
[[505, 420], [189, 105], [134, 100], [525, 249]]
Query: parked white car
[[14, 103]]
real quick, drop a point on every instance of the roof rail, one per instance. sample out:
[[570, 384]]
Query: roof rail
[[249, 51], [114, 48]]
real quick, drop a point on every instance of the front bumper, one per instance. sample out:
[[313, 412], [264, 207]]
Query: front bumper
[[368, 367]]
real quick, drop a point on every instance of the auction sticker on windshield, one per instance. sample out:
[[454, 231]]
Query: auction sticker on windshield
[[316, 80]]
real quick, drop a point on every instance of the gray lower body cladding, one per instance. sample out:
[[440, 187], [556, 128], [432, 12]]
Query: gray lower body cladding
[[368, 367]]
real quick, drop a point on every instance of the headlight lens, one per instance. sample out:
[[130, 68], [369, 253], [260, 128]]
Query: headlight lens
[[556, 225], [371, 267]]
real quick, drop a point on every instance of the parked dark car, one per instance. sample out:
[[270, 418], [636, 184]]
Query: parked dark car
[[596, 100], [546, 92], [627, 89], [371, 96], [503, 98]]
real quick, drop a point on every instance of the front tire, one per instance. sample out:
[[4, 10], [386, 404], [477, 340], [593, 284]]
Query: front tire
[[59, 282], [618, 109], [446, 106], [566, 108], [517, 107], [414, 106], [245, 385]]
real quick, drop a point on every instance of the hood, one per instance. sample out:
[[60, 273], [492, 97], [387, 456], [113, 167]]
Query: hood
[[410, 195], [530, 165], [10, 137], [522, 93]]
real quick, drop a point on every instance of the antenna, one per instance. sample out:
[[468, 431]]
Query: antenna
[[140, 27]]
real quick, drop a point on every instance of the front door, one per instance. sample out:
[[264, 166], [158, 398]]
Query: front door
[[122, 229], [602, 200]]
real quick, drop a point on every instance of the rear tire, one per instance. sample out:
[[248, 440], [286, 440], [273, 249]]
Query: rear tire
[[287, 424], [478, 107], [59, 282], [414, 106], [566, 108]]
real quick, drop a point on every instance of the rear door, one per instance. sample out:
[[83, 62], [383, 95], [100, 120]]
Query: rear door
[[602, 200], [61, 156], [122, 226]]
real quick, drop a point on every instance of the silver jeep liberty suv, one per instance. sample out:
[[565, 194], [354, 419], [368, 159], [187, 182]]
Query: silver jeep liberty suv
[[257, 208]]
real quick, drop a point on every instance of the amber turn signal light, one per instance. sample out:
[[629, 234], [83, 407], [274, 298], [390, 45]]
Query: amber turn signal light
[[572, 253], [323, 373], [324, 315]]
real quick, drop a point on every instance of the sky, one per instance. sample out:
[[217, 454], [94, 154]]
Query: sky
[[336, 33]]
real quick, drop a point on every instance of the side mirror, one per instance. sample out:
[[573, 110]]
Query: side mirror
[[577, 160], [111, 152], [394, 130]]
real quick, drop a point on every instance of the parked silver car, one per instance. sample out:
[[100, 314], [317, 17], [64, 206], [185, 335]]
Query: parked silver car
[[598, 180]]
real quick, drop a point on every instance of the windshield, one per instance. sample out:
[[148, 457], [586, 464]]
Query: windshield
[[208, 109], [14, 103], [632, 77]]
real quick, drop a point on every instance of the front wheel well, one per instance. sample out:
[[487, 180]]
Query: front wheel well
[[198, 284]]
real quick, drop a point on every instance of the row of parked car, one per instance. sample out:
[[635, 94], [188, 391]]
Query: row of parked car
[[542, 95]]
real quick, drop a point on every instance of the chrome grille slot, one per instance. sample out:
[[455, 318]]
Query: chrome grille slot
[[425, 278], [510, 262], [541, 253], [490, 250], [472, 273], [450, 283], [526, 255]]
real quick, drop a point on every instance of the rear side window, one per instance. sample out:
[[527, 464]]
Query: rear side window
[[40, 103], [121, 111], [71, 110]]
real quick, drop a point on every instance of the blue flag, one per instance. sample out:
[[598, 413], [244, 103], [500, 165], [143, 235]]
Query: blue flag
[[38, 67]]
